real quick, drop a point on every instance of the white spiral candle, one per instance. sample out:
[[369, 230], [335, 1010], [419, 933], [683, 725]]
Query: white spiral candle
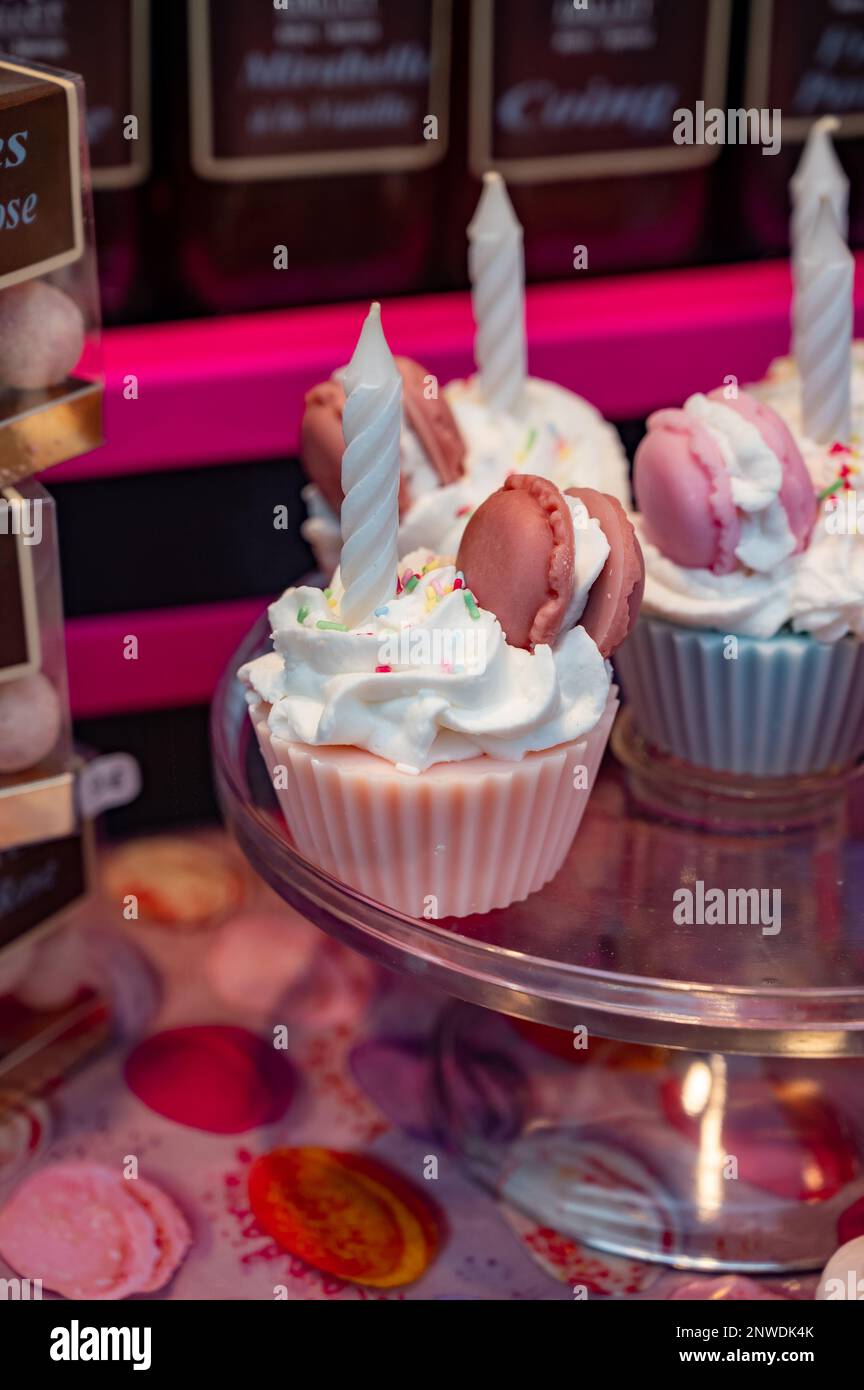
[[496, 263], [819, 175], [823, 329], [372, 425]]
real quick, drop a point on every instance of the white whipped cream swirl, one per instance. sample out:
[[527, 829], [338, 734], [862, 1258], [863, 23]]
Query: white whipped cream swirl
[[755, 478], [455, 687], [820, 591]]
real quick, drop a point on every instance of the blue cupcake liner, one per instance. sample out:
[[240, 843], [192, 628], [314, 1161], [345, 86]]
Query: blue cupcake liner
[[783, 706]]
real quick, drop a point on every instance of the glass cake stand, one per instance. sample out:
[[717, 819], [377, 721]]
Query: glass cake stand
[[660, 1089]]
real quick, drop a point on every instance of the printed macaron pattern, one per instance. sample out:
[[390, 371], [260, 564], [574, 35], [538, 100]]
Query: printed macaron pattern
[[345, 1214], [89, 1233]]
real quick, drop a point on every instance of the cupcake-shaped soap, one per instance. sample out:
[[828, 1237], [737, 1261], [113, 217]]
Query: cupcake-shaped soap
[[748, 655], [433, 726], [458, 446]]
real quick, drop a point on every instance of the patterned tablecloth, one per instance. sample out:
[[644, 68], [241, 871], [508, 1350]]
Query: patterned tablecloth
[[256, 1033]]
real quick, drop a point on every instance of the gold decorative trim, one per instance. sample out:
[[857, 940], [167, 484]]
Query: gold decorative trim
[[62, 423], [600, 163], [138, 168], [387, 159], [758, 78], [28, 601], [74, 253], [37, 810]]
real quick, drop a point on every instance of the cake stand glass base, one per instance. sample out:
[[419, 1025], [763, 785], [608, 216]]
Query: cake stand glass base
[[700, 1161], [743, 1152], [667, 786]]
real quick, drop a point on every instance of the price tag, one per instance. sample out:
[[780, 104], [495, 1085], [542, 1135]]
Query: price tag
[[107, 782], [41, 224]]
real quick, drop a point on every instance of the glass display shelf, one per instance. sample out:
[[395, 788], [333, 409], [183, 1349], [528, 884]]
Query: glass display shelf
[[600, 947]]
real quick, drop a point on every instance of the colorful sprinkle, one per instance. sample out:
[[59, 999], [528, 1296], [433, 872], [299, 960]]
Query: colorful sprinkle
[[459, 581], [471, 604], [847, 470], [463, 511], [382, 612], [437, 587], [328, 593], [331, 627], [302, 614], [383, 670], [411, 584]]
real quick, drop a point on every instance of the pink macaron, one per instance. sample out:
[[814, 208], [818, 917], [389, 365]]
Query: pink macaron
[[518, 557], [89, 1233], [684, 492]]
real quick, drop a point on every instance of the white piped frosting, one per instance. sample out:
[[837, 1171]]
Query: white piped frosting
[[455, 687], [591, 551], [755, 476]]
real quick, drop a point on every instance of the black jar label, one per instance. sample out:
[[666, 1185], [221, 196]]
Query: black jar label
[[107, 42], [19, 619], [807, 58], [38, 882], [565, 91], [41, 227], [311, 87]]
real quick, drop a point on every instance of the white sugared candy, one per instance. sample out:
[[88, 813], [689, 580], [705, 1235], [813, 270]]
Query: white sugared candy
[[843, 1276], [30, 719], [41, 336]]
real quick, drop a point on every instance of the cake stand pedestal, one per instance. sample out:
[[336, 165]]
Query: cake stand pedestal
[[657, 1078]]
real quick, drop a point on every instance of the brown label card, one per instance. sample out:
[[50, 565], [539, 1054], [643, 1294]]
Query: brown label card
[[561, 92], [40, 174], [39, 881], [19, 625], [311, 87], [107, 42], [807, 58]]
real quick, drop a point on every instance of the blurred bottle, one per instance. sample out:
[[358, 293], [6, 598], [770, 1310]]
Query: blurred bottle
[[805, 57], [312, 161], [574, 105], [107, 42]]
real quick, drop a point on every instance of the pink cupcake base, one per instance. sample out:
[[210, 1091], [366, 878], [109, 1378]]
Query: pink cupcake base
[[460, 838]]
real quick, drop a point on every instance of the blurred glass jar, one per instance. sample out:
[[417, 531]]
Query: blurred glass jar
[[107, 42], [805, 58], [574, 105], [310, 162], [36, 780]]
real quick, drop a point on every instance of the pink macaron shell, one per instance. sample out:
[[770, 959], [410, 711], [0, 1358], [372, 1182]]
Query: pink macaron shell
[[684, 494], [173, 1236], [796, 493], [613, 604], [72, 1226], [517, 556]]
